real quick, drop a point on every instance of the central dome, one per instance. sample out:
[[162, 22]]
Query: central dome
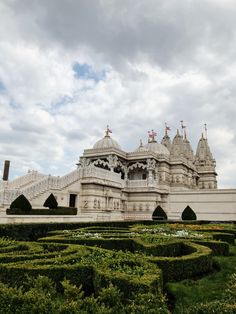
[[106, 142], [157, 148]]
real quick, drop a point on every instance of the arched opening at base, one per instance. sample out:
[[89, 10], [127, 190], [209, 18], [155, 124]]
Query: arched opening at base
[[188, 214], [159, 214]]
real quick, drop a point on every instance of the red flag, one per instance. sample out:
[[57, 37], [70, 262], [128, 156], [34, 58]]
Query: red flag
[[108, 129], [152, 134]]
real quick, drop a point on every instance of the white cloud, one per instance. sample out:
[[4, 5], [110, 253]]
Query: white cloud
[[164, 61]]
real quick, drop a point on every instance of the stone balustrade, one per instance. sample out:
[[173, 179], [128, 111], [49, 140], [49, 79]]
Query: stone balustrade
[[137, 183], [47, 183], [92, 171], [70, 178], [133, 184], [22, 181]]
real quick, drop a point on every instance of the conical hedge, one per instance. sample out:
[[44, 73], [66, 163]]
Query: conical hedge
[[51, 202], [188, 214], [21, 202], [159, 214]]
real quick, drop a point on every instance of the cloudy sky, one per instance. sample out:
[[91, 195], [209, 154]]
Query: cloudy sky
[[70, 67]]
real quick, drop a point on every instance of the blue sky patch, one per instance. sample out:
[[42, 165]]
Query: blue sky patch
[[86, 72], [2, 87]]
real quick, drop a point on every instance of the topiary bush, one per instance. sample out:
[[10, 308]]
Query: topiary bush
[[159, 214], [21, 202], [51, 202], [188, 214]]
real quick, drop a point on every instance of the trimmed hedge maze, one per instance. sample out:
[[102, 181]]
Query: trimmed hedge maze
[[93, 268]]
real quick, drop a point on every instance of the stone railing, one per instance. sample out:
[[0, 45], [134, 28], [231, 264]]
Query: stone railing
[[95, 172], [41, 186], [137, 183], [22, 181], [147, 183], [70, 178], [36, 188], [47, 183], [7, 196]]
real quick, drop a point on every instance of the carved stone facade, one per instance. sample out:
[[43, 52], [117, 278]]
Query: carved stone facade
[[115, 184]]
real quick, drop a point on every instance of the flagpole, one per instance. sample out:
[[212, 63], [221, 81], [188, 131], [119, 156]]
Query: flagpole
[[205, 130], [182, 127]]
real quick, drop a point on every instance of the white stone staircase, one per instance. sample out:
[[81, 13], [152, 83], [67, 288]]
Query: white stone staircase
[[34, 184]]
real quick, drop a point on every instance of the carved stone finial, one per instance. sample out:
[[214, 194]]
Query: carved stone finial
[[108, 131]]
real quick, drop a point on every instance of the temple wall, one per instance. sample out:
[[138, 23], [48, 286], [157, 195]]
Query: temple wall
[[208, 205]]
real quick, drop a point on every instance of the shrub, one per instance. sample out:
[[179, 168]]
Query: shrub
[[22, 203], [44, 211], [217, 247], [51, 202], [159, 214], [227, 237], [187, 266], [188, 214]]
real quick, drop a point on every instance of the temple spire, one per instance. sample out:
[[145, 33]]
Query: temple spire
[[166, 141], [205, 165]]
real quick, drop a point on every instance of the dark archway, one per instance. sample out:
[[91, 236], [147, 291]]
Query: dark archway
[[159, 214], [188, 214]]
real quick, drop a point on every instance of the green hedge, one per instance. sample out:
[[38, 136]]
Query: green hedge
[[217, 247], [21, 203], [43, 211], [33, 231], [179, 255], [93, 268], [169, 249], [187, 266], [221, 236]]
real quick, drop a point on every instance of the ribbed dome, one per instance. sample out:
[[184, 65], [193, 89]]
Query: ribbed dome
[[106, 142], [157, 148], [141, 148]]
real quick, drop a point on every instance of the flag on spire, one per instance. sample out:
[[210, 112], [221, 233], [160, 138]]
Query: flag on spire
[[182, 124], [205, 127], [108, 130], [151, 135], [167, 128]]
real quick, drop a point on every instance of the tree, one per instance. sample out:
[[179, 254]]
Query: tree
[[159, 214], [51, 202], [188, 214], [21, 202]]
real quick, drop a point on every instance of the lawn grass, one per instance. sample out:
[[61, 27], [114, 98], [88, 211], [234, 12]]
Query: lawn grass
[[190, 292]]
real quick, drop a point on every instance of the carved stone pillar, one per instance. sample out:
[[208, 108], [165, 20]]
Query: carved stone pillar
[[112, 160], [151, 165]]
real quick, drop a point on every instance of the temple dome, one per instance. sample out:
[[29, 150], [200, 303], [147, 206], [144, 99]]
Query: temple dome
[[157, 148], [106, 142], [141, 148]]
